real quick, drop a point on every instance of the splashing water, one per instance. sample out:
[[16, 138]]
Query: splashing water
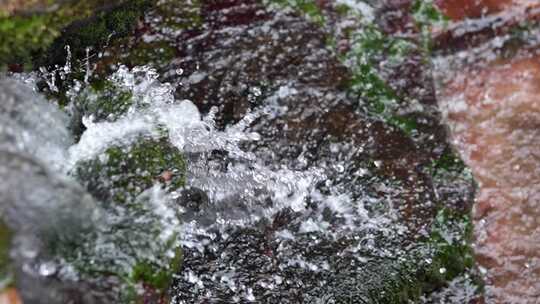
[[234, 198]]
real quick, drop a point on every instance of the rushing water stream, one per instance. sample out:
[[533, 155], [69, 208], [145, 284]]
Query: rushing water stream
[[275, 152], [259, 225]]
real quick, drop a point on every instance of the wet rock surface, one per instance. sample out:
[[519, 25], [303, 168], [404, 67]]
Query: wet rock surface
[[67, 246], [491, 107], [497, 139], [244, 58], [330, 202]]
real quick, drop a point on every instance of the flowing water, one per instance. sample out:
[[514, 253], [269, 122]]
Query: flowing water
[[296, 191], [258, 229]]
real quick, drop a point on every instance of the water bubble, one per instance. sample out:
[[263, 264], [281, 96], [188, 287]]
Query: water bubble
[[339, 168], [47, 269], [249, 295], [256, 91]]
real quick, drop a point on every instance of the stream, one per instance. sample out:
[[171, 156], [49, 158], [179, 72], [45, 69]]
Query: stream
[[245, 151]]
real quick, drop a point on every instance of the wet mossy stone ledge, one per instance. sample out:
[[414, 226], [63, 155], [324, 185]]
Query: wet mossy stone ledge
[[119, 178], [121, 173], [114, 250], [102, 100], [34, 37], [405, 155], [110, 22]]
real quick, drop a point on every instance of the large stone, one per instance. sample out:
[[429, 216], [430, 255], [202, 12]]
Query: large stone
[[242, 57]]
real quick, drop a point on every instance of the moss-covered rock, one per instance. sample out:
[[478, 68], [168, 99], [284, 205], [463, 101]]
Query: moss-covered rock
[[27, 30], [163, 18], [93, 33], [101, 101], [105, 101], [425, 267], [156, 276], [39, 37], [122, 173], [119, 178]]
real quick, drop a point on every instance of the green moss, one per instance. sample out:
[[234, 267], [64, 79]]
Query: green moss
[[179, 15], [26, 37], [406, 124], [23, 36], [451, 235], [104, 100], [427, 15], [117, 178], [95, 32], [156, 53], [156, 276], [443, 256], [308, 8], [369, 48], [6, 273], [167, 16], [342, 9], [122, 173], [449, 161]]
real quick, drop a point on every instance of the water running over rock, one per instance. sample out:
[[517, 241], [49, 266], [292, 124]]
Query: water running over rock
[[256, 163]]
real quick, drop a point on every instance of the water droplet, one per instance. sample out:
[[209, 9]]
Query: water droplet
[[442, 270], [47, 269], [179, 71], [249, 295], [334, 148], [256, 91]]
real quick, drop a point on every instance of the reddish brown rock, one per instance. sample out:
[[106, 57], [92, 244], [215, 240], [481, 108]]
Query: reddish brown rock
[[10, 296], [462, 9], [495, 116], [477, 21]]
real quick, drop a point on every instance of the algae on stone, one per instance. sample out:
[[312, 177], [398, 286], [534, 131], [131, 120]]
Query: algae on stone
[[309, 8], [122, 178], [27, 33], [95, 32], [105, 101], [122, 173], [164, 18]]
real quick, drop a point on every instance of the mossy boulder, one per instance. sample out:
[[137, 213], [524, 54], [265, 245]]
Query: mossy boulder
[[101, 101], [155, 276], [104, 101], [39, 36], [28, 28], [122, 178], [119, 178], [110, 22], [384, 124], [121, 173]]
